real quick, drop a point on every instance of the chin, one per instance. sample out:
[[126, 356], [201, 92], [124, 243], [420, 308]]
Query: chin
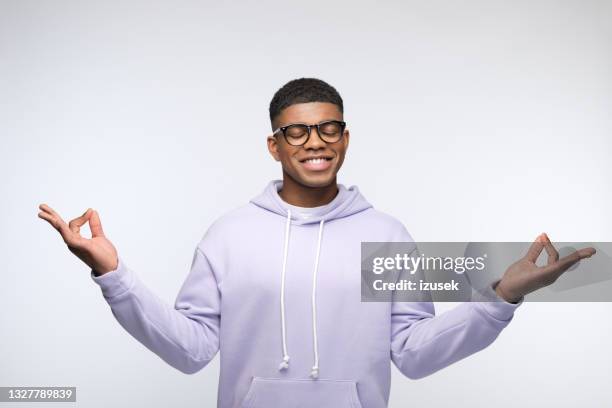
[[322, 180]]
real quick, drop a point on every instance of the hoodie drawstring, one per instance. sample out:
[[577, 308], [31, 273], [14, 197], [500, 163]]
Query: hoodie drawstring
[[285, 363], [315, 369]]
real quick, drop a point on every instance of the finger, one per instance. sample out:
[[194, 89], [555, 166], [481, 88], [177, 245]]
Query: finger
[[75, 224], [95, 225], [553, 255], [535, 249], [45, 208], [568, 261], [53, 218]]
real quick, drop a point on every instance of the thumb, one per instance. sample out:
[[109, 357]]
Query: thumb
[[76, 224], [535, 249], [95, 225]]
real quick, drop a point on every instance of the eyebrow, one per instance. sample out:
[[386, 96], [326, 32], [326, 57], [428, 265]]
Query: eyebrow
[[302, 123]]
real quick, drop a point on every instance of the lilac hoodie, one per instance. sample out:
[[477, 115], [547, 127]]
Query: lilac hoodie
[[277, 290]]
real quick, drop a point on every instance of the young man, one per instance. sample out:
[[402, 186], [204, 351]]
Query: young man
[[276, 284]]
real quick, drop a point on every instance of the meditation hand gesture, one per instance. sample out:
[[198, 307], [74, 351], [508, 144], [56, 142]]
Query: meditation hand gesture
[[524, 276], [98, 252]]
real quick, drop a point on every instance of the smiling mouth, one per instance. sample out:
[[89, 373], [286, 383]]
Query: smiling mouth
[[316, 160], [317, 163]]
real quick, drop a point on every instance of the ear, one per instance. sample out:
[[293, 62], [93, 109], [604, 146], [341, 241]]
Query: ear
[[346, 138], [273, 147]]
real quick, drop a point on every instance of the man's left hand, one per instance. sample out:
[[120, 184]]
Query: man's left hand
[[524, 276]]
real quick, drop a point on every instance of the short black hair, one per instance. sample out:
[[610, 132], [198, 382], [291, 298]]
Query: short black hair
[[303, 90]]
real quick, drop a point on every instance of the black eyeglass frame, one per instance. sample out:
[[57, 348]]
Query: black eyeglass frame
[[309, 127]]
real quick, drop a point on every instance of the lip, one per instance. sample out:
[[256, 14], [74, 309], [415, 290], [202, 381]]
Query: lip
[[322, 163], [316, 157]]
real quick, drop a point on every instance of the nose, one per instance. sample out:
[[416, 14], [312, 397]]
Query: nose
[[314, 141]]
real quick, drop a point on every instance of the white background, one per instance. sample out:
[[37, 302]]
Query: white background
[[470, 121]]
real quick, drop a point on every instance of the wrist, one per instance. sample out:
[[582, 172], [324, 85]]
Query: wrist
[[98, 273], [102, 270], [502, 294]]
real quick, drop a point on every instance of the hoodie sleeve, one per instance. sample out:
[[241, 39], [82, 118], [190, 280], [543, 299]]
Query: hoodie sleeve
[[185, 336], [423, 342]]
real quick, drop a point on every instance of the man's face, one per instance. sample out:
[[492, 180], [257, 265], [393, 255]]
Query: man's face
[[295, 159]]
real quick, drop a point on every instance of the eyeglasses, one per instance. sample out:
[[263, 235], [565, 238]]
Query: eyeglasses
[[297, 134]]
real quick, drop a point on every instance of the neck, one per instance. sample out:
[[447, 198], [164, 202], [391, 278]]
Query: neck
[[304, 196]]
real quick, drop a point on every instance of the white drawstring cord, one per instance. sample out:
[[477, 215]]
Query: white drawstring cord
[[315, 369], [285, 363]]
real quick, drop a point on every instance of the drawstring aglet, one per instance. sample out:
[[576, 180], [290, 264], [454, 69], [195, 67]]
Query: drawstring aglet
[[284, 364], [315, 372]]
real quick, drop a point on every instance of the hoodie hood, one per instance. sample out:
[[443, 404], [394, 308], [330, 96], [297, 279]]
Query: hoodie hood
[[347, 202]]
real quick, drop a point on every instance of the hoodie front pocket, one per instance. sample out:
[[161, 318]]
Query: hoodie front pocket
[[303, 393]]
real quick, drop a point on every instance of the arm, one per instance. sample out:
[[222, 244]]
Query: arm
[[186, 336], [423, 343]]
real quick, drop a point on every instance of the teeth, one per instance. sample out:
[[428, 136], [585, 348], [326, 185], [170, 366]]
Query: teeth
[[315, 160]]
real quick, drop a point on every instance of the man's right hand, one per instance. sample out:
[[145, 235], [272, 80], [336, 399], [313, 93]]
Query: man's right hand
[[98, 252]]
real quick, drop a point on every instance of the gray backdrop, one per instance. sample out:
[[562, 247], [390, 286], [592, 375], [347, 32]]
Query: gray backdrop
[[470, 121]]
